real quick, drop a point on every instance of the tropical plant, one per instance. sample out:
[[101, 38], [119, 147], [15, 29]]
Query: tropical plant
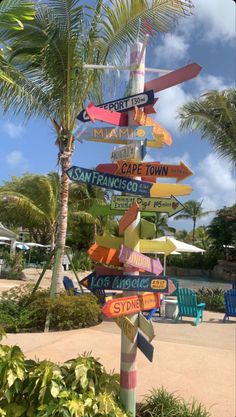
[[222, 229], [45, 66], [214, 114], [202, 237], [213, 298], [161, 223], [193, 210]]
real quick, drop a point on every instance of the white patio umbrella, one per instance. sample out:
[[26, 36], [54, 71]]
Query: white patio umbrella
[[21, 246], [33, 245]]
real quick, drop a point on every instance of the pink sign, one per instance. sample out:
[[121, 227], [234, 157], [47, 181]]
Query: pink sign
[[112, 117], [138, 260]]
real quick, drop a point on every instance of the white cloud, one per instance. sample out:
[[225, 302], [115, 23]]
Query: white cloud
[[13, 130], [217, 19], [15, 159], [210, 82], [173, 49], [214, 183], [176, 159]]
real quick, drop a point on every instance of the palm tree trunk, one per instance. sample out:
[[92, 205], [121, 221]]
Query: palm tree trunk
[[194, 227], [65, 162]]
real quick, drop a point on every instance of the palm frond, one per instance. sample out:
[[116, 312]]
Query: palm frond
[[214, 115], [14, 13]]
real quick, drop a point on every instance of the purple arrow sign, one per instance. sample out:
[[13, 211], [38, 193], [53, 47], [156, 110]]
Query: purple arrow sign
[[138, 260]]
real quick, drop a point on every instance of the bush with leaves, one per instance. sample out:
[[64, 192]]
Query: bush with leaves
[[213, 298], [161, 403], [80, 387], [21, 312]]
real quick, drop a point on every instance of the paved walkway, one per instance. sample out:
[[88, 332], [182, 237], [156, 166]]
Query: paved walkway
[[192, 362]]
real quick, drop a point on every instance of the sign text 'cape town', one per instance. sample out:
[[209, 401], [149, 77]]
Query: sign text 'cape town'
[[130, 186], [146, 283], [170, 205], [147, 169], [123, 104]]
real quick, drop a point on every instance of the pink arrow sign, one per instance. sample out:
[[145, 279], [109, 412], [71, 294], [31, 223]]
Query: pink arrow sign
[[112, 117], [173, 78], [138, 260]]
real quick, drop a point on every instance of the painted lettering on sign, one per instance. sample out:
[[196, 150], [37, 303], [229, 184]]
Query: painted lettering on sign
[[123, 104], [114, 182], [131, 151], [129, 132], [138, 260], [130, 305]]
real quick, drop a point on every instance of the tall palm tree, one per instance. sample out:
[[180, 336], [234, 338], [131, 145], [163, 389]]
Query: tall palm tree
[[214, 114], [193, 210], [45, 65]]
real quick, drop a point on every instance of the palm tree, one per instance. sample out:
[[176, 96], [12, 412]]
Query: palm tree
[[193, 210], [214, 114], [45, 69]]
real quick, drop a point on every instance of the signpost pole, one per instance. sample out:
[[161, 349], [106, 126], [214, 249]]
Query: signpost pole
[[128, 372]]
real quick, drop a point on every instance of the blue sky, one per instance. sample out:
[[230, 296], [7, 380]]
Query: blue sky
[[208, 38]]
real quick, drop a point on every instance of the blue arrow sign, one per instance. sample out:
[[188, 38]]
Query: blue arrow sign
[[148, 283], [145, 346], [113, 182], [123, 104]]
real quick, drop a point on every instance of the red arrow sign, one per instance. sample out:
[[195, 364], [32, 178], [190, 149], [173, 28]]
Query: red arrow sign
[[173, 78], [112, 117], [147, 170], [130, 305], [104, 255], [128, 218]]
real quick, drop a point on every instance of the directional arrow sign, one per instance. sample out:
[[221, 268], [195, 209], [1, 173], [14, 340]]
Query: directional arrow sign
[[129, 217], [147, 229], [89, 176], [144, 120], [117, 134], [109, 241], [130, 305], [133, 258], [105, 270], [170, 206], [145, 347], [147, 283], [146, 327], [101, 210], [147, 169], [112, 117], [104, 255], [155, 246], [133, 150], [130, 186], [127, 327], [123, 104], [173, 78]]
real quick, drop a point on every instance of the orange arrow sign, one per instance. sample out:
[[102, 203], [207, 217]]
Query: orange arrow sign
[[144, 120], [112, 117], [129, 217], [104, 255], [130, 305]]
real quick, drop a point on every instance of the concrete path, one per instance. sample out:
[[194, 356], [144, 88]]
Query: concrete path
[[192, 362]]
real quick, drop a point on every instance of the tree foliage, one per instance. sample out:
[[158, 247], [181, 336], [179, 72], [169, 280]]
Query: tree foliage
[[222, 228], [214, 114], [193, 210]]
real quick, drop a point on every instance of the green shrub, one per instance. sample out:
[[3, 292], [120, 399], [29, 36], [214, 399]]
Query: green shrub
[[19, 313], [161, 403], [204, 261], [213, 298], [80, 387], [82, 261]]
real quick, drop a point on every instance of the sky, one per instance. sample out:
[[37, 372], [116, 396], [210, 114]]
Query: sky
[[208, 38]]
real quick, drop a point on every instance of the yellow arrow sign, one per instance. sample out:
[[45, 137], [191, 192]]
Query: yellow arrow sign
[[146, 245], [146, 327], [127, 327], [152, 246], [166, 190], [109, 241]]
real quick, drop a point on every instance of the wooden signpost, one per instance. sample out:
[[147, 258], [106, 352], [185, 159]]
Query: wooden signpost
[[170, 205], [117, 134], [132, 151], [146, 327], [130, 186], [147, 283], [108, 116], [105, 270], [104, 255], [137, 260], [147, 169], [127, 327], [154, 246], [176, 77], [159, 131], [123, 104], [128, 218], [145, 346], [130, 305], [109, 241]]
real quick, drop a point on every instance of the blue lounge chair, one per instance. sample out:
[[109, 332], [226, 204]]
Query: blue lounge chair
[[69, 286], [188, 306], [230, 304]]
